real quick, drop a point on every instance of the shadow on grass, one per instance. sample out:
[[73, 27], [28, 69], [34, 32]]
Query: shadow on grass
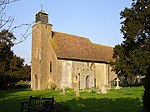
[[104, 105], [11, 103], [4, 93], [83, 105]]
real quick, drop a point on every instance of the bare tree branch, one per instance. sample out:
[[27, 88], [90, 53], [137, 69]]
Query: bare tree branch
[[25, 34], [3, 17], [9, 20]]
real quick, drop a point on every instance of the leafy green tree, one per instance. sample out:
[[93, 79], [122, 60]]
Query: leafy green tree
[[6, 54], [12, 68], [132, 56], [19, 71], [26, 72], [8, 70]]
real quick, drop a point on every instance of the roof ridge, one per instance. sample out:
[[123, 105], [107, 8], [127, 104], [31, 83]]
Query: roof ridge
[[72, 35], [103, 45]]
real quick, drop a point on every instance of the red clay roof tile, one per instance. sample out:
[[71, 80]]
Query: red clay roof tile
[[74, 47]]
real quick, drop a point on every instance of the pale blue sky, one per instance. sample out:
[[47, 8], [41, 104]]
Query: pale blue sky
[[95, 19]]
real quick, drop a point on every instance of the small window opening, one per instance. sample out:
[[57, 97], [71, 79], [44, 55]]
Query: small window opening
[[50, 66]]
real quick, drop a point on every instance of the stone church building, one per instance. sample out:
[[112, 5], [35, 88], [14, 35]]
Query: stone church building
[[65, 60]]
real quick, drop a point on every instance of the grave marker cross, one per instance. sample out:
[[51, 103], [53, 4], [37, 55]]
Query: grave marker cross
[[117, 87]]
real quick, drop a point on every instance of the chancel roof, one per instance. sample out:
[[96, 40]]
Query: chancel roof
[[73, 47]]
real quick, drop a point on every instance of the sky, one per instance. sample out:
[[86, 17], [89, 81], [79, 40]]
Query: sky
[[98, 20]]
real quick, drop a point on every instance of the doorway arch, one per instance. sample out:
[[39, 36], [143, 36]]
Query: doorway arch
[[87, 81], [36, 82]]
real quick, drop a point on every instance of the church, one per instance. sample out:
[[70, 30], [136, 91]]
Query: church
[[61, 60]]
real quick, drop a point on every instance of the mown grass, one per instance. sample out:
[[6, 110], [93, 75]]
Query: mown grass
[[127, 99]]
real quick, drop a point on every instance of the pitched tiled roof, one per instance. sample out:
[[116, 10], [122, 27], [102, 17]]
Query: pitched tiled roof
[[74, 47]]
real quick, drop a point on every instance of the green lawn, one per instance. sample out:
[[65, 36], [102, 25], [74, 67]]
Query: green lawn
[[127, 99]]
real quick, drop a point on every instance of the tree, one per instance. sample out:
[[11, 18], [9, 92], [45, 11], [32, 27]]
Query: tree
[[5, 53], [12, 68], [19, 71], [132, 56]]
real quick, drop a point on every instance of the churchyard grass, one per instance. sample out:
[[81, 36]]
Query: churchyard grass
[[126, 99]]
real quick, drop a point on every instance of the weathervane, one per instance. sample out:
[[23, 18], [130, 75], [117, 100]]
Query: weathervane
[[41, 7]]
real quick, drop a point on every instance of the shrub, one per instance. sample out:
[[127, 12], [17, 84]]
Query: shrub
[[23, 84], [52, 86]]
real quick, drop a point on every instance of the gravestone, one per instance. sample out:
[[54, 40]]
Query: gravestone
[[77, 92], [117, 87], [63, 87], [63, 92], [103, 89]]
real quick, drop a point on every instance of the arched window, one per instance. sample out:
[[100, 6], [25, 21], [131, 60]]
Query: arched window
[[87, 82], [79, 80], [76, 78], [50, 67], [36, 82]]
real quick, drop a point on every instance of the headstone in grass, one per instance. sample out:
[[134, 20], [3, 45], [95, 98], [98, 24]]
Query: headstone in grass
[[63, 92], [77, 91], [117, 87], [103, 89], [98, 91], [63, 87]]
